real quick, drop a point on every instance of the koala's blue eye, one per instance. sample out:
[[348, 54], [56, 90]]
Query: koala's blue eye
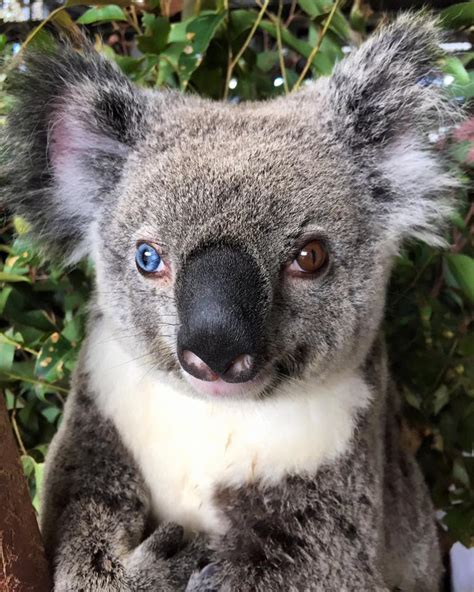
[[148, 259]]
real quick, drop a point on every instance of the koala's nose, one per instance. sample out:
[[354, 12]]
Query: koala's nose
[[239, 370], [221, 298]]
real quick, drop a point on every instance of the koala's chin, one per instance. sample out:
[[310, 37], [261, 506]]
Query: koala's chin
[[220, 388]]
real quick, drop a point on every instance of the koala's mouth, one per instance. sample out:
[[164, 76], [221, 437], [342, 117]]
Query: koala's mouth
[[220, 388]]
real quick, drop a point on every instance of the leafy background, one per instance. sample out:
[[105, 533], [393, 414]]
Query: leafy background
[[225, 52]]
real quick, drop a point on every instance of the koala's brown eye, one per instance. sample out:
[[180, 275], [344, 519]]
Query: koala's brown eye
[[311, 258]]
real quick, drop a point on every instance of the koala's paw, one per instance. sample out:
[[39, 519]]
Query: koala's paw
[[163, 543], [167, 559], [204, 580], [163, 561]]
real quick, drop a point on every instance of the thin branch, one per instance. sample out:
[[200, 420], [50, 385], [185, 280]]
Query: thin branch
[[459, 240], [440, 376], [48, 385], [17, 431], [316, 49], [18, 436], [233, 62], [134, 20], [281, 57], [278, 24], [291, 13], [18, 345]]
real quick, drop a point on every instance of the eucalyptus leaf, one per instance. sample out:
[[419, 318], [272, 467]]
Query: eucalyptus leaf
[[462, 268], [13, 278], [458, 15], [101, 14], [155, 39], [199, 32]]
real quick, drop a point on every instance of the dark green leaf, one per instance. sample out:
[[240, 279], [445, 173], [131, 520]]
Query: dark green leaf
[[157, 29], [462, 268], [112, 12], [458, 15], [199, 32]]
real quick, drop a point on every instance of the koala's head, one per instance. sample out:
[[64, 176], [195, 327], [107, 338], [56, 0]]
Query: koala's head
[[238, 246]]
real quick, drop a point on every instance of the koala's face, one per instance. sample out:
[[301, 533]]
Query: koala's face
[[243, 254], [239, 247]]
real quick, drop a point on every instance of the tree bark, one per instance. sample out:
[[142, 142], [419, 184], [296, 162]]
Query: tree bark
[[23, 565]]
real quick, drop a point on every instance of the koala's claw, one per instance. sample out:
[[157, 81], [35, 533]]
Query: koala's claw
[[203, 581], [165, 542]]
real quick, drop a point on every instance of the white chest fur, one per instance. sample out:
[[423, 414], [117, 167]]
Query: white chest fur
[[186, 446]]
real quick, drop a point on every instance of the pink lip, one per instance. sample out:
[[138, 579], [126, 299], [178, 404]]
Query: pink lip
[[220, 388]]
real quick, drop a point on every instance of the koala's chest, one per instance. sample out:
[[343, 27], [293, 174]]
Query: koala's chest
[[183, 459], [187, 448]]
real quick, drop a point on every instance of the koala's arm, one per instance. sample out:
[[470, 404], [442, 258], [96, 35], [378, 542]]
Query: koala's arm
[[316, 534], [96, 509]]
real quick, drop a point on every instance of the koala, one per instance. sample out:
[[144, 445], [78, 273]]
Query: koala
[[232, 425]]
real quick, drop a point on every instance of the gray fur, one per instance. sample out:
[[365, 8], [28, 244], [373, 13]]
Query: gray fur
[[260, 176]]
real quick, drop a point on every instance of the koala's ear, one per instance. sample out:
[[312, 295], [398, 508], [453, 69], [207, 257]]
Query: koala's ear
[[386, 100], [75, 119]]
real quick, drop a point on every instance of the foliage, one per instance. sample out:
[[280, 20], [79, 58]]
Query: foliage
[[240, 54]]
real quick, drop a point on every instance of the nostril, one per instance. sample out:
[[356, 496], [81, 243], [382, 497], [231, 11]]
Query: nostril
[[240, 369], [241, 364], [197, 367]]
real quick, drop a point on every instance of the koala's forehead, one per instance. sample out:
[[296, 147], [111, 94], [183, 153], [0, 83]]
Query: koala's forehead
[[220, 171]]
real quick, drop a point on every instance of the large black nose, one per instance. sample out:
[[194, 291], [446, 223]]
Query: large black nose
[[221, 304]]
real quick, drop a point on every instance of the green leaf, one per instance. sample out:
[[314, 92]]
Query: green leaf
[[102, 14], [39, 473], [169, 62], [318, 10], [4, 297], [440, 398], [7, 353], [178, 32], [462, 268], [458, 15], [459, 472], [357, 18], [241, 21], [199, 32], [51, 414], [155, 39], [33, 471], [466, 345], [11, 400], [313, 8], [50, 362], [13, 277], [266, 60], [330, 51], [460, 522], [320, 62], [28, 464], [455, 67], [411, 398], [37, 319]]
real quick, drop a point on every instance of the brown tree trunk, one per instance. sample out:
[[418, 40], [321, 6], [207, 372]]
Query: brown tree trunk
[[23, 566]]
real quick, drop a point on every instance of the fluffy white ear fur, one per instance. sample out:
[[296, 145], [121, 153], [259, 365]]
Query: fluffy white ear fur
[[384, 105], [79, 186], [424, 192], [73, 120]]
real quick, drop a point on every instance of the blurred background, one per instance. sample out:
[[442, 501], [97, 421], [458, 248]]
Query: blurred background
[[241, 50]]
